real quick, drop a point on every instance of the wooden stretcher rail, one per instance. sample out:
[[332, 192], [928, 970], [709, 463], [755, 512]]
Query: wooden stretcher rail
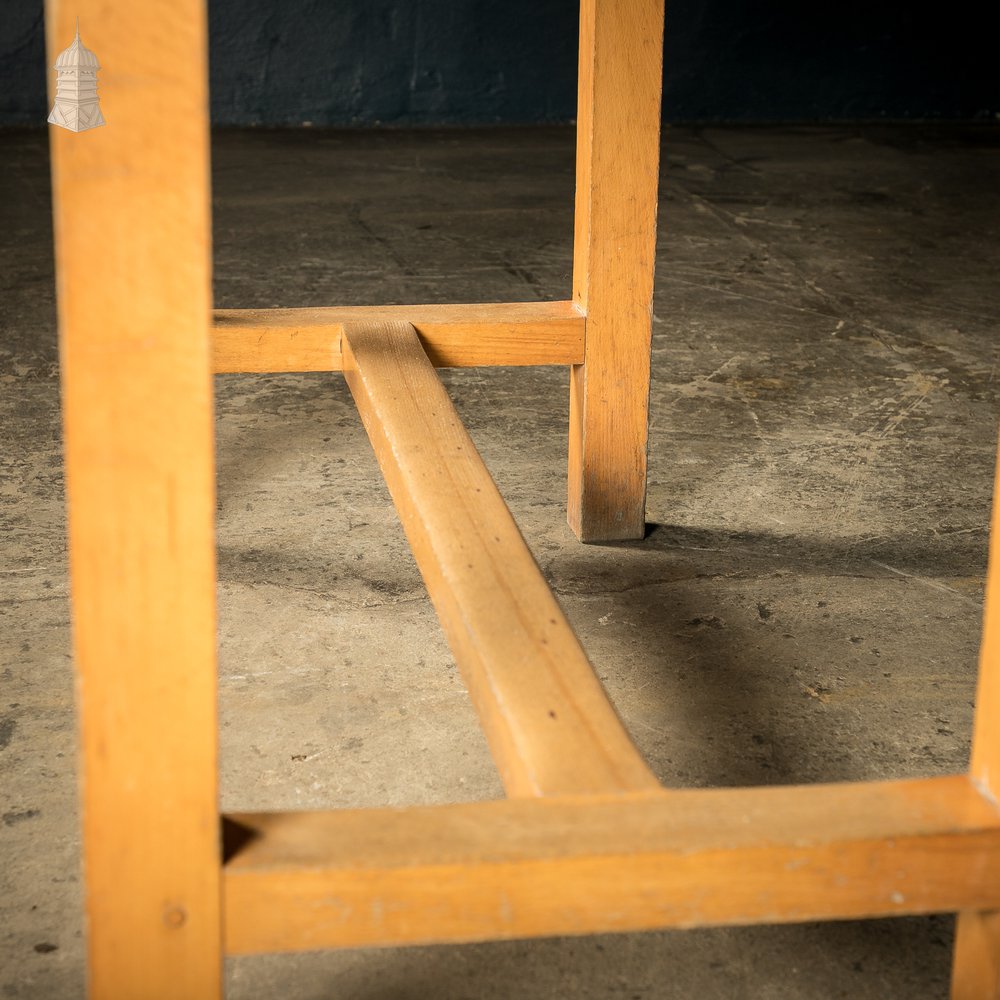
[[454, 336], [523, 868], [549, 724]]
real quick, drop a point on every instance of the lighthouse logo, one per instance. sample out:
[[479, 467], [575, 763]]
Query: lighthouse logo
[[76, 106]]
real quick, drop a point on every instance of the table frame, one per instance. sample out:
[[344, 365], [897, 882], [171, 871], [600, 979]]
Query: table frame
[[586, 840]]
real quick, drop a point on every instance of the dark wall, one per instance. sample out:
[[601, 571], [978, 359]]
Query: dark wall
[[393, 61], [803, 60], [423, 62]]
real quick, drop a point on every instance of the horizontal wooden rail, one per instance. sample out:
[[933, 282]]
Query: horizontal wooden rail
[[549, 724], [523, 868], [454, 336]]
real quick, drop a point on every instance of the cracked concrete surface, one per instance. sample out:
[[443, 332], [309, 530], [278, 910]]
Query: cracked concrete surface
[[805, 607]]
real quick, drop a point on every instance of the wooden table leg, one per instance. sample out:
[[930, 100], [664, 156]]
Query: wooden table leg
[[618, 130], [976, 972], [133, 259]]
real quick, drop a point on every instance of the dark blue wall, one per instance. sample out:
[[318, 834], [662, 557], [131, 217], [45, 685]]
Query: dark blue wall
[[392, 61], [424, 62]]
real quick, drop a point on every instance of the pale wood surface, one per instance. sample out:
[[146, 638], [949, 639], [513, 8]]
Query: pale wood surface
[[134, 303], [610, 863], [618, 129], [976, 972], [454, 336], [986, 728], [977, 941], [549, 724]]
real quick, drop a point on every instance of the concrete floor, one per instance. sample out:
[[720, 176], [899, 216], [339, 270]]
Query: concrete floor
[[807, 603]]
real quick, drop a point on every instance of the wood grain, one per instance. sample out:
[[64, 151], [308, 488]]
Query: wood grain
[[134, 304], [550, 726], [523, 868], [618, 130], [976, 972], [986, 734], [454, 336]]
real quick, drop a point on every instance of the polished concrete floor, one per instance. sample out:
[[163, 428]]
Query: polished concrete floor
[[805, 607]]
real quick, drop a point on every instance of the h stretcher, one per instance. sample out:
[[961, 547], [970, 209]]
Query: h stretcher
[[587, 840]]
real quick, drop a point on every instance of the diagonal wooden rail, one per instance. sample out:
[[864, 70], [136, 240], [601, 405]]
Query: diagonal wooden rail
[[549, 724]]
